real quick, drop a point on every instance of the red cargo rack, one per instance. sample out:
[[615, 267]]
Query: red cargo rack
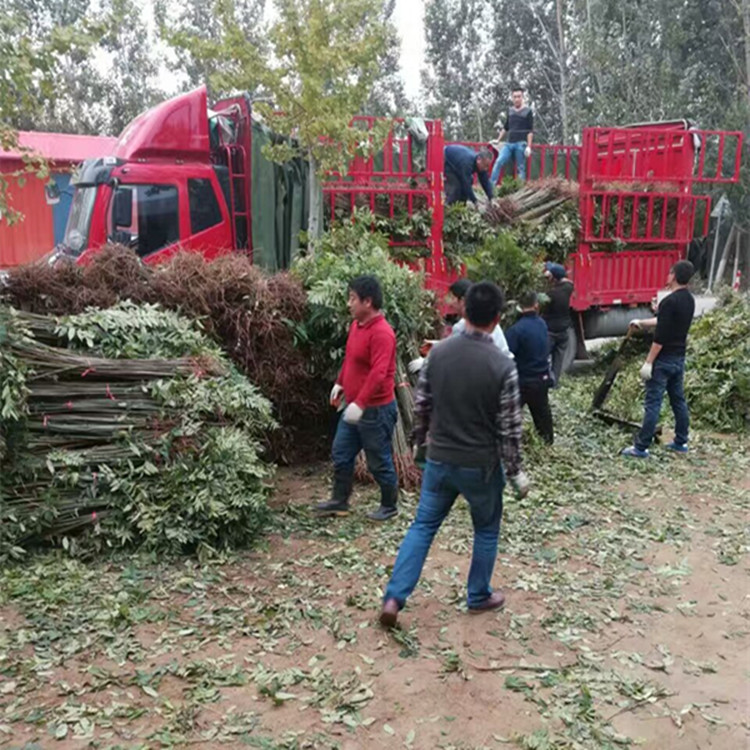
[[404, 180], [636, 191]]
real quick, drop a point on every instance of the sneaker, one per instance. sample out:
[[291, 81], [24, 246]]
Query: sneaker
[[634, 452], [676, 447], [383, 513], [332, 508]]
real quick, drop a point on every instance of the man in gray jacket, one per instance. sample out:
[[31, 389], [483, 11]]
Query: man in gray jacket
[[468, 403]]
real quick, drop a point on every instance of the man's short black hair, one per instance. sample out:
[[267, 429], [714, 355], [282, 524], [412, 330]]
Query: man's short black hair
[[517, 87], [528, 299], [459, 288], [683, 271], [367, 287], [484, 302]]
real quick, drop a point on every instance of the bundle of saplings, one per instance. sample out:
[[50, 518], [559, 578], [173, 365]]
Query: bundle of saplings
[[504, 239], [717, 371], [351, 250], [252, 315], [126, 426]]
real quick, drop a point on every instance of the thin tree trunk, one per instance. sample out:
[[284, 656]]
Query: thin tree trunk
[[562, 64], [724, 257], [746, 25], [315, 203]]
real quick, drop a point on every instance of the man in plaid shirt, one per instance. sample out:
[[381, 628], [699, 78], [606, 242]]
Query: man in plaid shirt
[[468, 410]]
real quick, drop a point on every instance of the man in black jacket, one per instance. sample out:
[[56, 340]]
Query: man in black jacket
[[557, 316], [664, 369], [467, 401]]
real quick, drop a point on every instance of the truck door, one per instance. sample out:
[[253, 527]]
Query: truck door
[[152, 226]]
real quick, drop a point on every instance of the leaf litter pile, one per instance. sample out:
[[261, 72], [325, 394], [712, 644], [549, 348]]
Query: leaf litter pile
[[626, 621]]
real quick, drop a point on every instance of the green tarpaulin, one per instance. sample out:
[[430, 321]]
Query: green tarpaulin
[[279, 205]]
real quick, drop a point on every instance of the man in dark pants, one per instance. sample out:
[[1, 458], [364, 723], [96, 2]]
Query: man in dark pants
[[467, 402], [529, 342], [664, 369], [366, 383], [557, 316], [461, 162]]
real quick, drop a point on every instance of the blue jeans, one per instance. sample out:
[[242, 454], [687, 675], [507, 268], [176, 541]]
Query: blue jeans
[[373, 434], [508, 153], [668, 375], [441, 485]]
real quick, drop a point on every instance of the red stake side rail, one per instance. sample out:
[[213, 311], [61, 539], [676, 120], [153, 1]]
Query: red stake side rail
[[636, 188], [546, 160], [408, 177]]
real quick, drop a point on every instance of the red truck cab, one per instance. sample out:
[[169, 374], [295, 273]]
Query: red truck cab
[[177, 179]]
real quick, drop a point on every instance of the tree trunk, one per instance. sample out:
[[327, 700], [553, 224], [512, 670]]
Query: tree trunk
[[746, 25], [724, 257], [563, 70], [314, 229]]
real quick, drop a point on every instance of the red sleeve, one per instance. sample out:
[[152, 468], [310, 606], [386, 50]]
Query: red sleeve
[[383, 350]]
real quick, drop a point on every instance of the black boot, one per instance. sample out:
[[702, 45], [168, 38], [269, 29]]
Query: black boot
[[338, 505], [388, 501]]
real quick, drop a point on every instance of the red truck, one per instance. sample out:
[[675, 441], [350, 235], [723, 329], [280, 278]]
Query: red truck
[[181, 177]]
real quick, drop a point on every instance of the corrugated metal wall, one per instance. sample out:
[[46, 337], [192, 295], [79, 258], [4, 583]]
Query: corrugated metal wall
[[31, 238]]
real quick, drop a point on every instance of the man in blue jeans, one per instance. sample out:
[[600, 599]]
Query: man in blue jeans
[[366, 383], [664, 369], [467, 406], [518, 125]]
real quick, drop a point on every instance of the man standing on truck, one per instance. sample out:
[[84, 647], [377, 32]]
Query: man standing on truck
[[557, 316], [461, 163], [467, 400], [529, 342], [518, 125], [664, 369], [366, 384]]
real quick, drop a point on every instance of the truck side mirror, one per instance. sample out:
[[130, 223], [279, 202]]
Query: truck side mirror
[[51, 193], [122, 209]]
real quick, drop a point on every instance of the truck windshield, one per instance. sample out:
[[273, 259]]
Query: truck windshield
[[77, 230]]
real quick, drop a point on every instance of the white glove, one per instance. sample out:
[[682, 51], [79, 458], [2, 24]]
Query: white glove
[[635, 323], [336, 393], [527, 152], [647, 371], [416, 365], [520, 484], [353, 413]]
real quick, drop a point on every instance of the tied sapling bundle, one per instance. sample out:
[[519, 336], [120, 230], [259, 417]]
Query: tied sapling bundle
[[130, 425]]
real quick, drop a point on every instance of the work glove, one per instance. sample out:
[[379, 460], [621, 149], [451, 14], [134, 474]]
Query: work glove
[[647, 371], [353, 413], [336, 393], [520, 483], [527, 152], [416, 365], [635, 323]]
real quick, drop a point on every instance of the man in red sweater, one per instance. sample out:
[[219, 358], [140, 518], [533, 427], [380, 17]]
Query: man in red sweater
[[366, 384]]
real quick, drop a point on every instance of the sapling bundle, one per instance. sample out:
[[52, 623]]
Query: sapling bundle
[[127, 423]]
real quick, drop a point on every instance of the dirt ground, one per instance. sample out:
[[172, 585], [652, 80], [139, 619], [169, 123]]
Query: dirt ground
[[627, 621]]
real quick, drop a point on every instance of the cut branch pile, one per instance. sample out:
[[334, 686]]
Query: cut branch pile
[[252, 315]]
